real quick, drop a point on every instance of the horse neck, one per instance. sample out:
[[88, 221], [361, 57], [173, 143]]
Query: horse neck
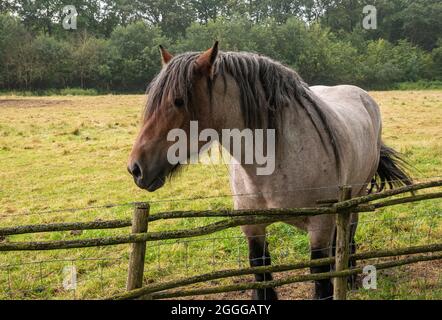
[[226, 114], [298, 144]]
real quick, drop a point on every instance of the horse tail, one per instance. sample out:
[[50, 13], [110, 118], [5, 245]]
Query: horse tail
[[392, 170]]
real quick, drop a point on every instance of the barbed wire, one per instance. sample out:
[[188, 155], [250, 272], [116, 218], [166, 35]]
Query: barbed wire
[[230, 195], [38, 279], [4, 266], [402, 276], [188, 263], [235, 258]]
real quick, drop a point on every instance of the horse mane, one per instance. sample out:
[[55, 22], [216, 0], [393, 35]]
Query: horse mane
[[266, 88]]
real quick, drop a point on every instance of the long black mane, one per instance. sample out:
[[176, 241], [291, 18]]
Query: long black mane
[[266, 88]]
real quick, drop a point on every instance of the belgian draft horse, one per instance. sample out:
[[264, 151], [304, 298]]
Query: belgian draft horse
[[326, 137]]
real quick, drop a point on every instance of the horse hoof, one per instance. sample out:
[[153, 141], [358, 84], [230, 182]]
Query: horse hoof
[[264, 294]]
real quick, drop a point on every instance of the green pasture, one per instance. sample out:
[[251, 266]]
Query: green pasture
[[62, 152]]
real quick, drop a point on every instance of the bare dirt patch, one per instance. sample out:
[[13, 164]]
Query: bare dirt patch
[[293, 291], [420, 276], [429, 272], [31, 103]]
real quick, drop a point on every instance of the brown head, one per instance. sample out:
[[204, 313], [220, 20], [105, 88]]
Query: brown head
[[176, 96]]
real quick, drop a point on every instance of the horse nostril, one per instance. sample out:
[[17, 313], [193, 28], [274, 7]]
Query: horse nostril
[[135, 171]]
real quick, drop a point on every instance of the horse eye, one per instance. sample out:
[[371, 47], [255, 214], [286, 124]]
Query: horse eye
[[179, 103]]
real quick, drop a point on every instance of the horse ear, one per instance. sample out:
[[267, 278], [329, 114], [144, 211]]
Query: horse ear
[[206, 60], [165, 56]]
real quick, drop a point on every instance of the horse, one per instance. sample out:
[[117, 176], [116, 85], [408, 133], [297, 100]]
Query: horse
[[326, 137]]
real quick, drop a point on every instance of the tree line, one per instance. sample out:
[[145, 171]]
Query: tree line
[[115, 45]]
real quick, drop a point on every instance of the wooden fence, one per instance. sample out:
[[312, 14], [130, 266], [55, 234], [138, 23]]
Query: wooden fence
[[140, 236]]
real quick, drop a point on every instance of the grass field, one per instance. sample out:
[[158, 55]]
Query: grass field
[[71, 152]]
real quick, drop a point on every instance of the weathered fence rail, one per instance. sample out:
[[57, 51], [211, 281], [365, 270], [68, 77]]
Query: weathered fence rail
[[281, 268], [140, 236]]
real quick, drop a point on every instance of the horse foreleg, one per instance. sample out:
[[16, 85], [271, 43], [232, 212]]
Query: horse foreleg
[[320, 247], [323, 288], [323, 245], [259, 256]]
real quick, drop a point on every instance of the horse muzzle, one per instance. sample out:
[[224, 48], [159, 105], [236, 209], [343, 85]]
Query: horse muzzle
[[150, 182]]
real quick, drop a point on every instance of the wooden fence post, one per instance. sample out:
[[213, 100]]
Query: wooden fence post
[[138, 249], [343, 219]]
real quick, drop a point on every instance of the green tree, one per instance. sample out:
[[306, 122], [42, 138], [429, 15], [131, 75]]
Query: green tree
[[53, 62], [88, 54], [173, 17], [437, 61], [16, 56], [232, 34], [134, 57], [422, 22]]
